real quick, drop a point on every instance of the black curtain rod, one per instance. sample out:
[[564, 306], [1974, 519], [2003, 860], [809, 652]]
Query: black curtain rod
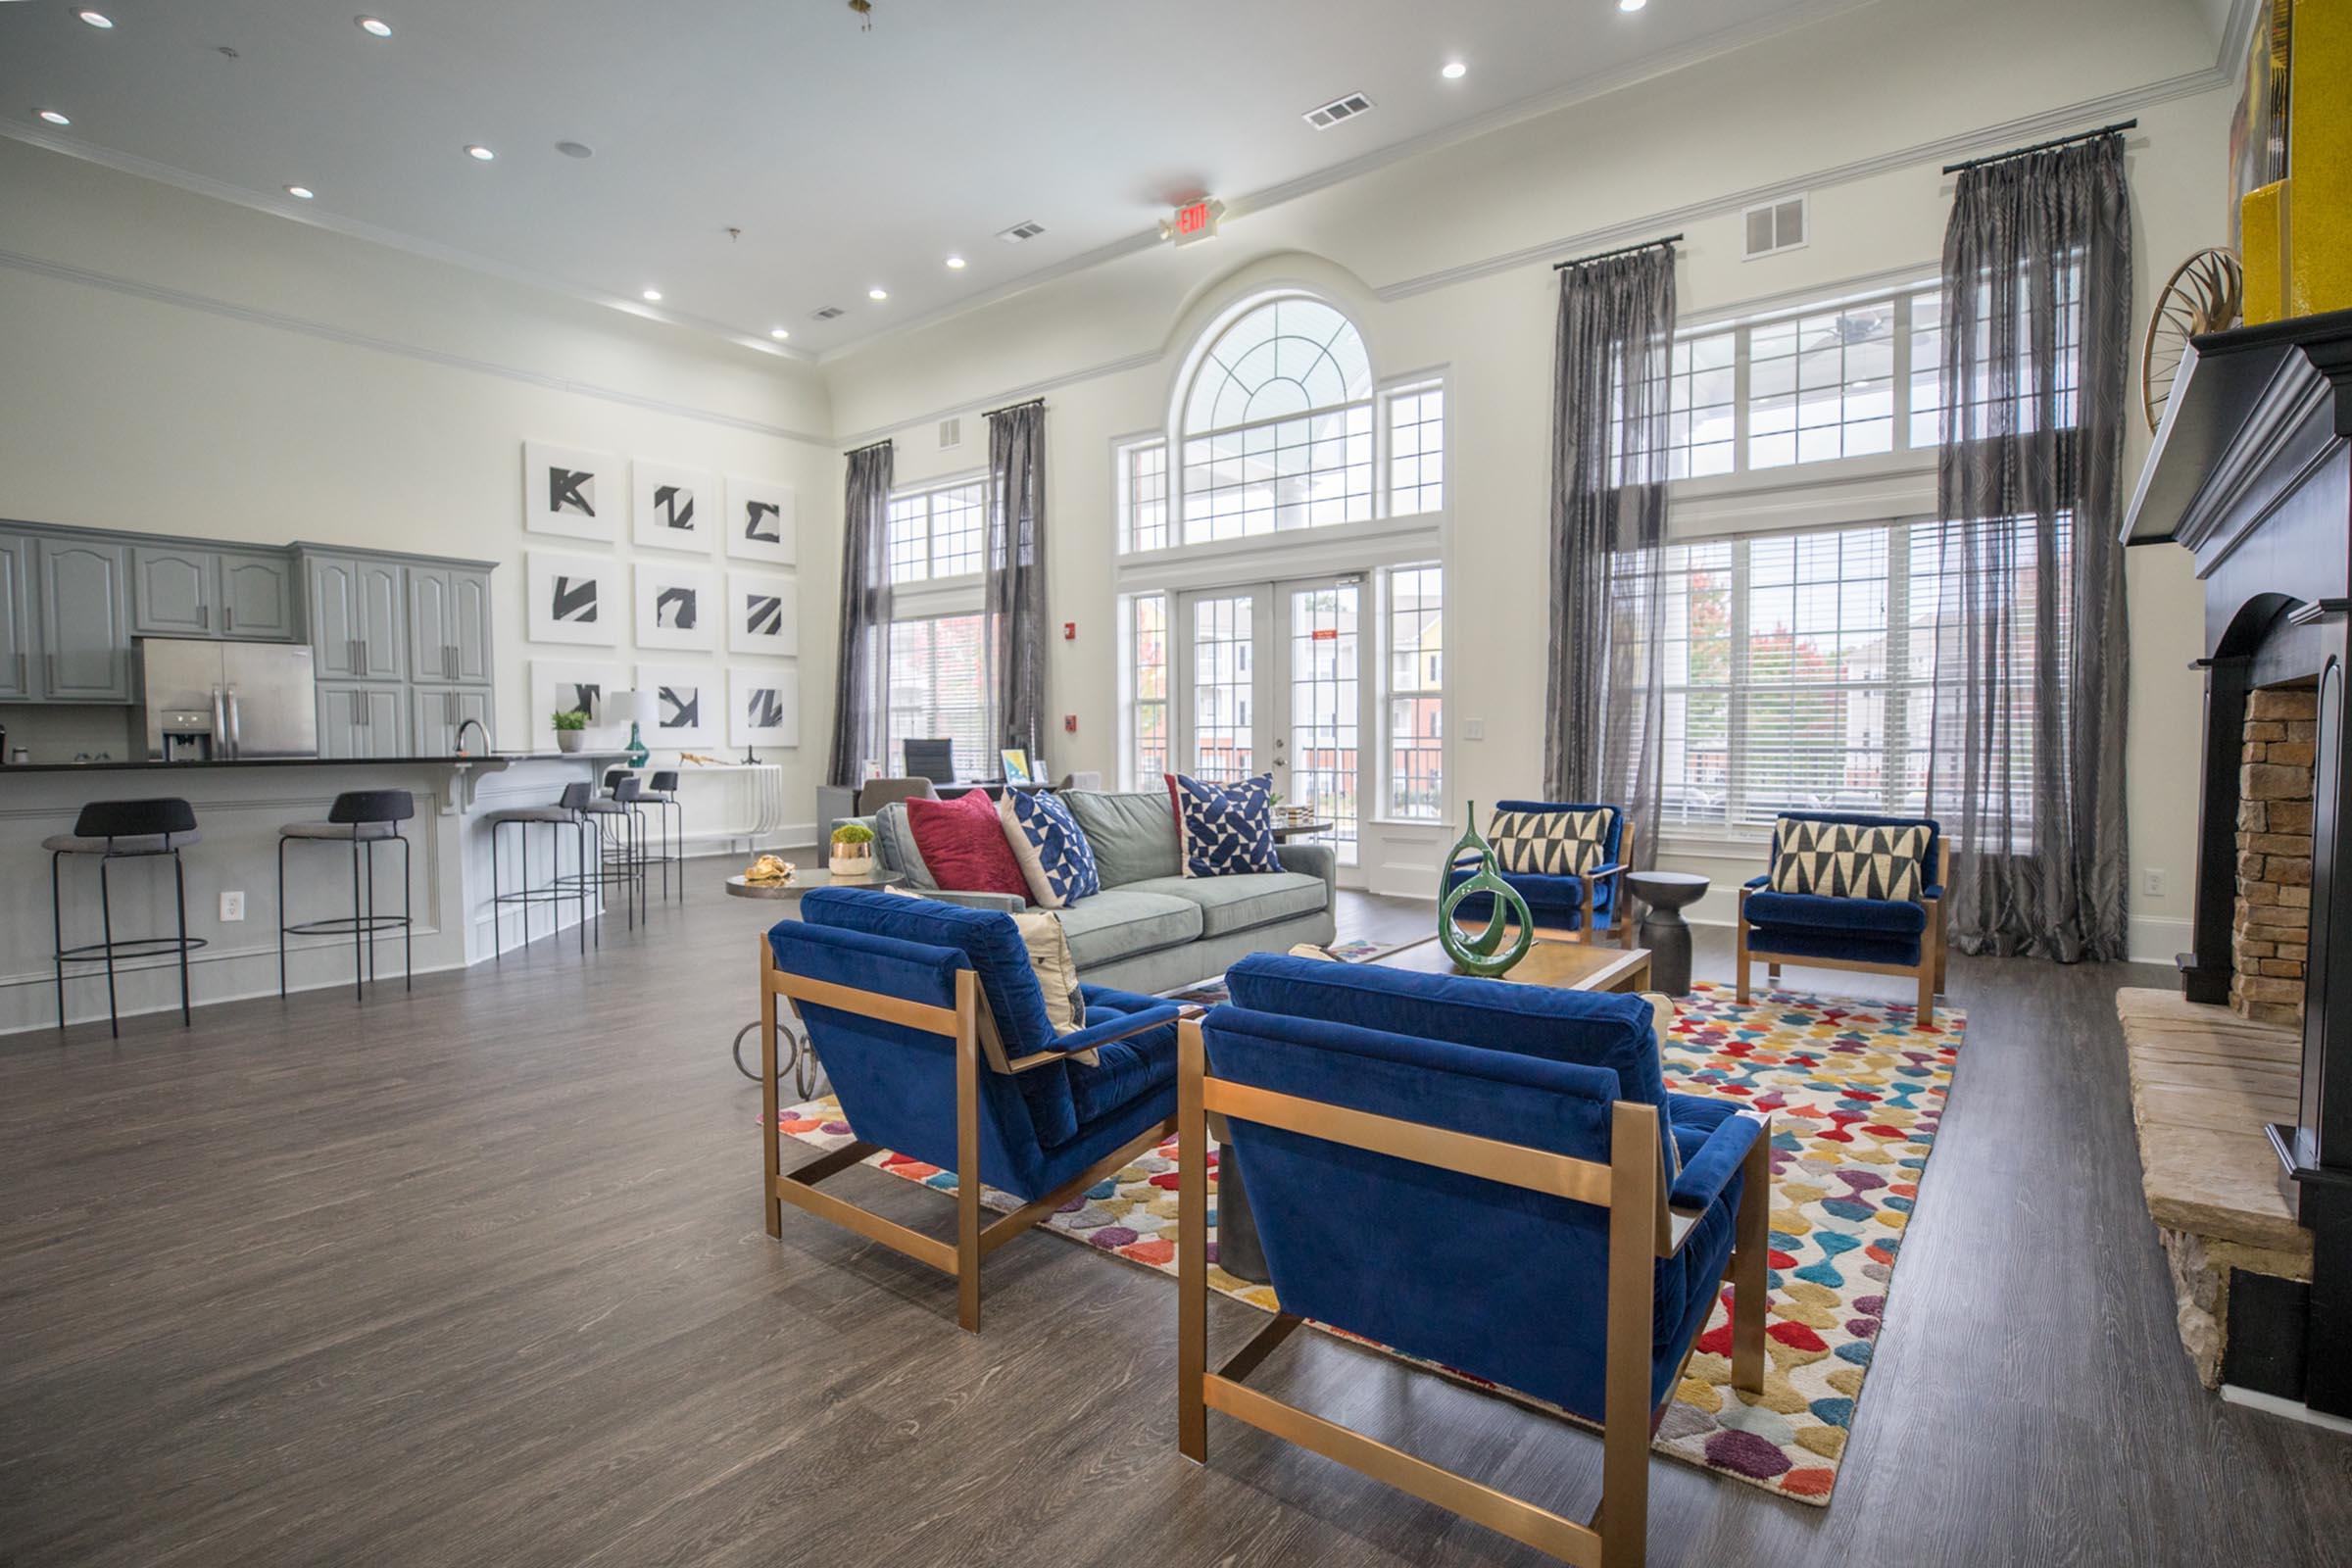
[[2041, 146], [1622, 250], [1033, 403], [868, 447]]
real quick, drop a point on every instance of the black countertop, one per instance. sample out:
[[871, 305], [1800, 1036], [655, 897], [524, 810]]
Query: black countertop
[[143, 764]]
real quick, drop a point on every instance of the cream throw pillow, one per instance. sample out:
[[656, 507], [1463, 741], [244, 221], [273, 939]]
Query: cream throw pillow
[[1056, 971]]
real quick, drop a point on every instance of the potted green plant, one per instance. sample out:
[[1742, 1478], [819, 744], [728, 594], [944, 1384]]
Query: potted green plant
[[852, 850], [570, 730]]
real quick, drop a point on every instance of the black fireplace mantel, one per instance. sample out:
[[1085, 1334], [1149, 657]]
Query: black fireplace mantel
[[2252, 474]]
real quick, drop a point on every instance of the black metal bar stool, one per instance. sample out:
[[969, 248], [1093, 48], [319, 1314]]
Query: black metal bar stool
[[568, 811], [363, 819], [617, 863], [662, 792], [628, 789], [123, 830]]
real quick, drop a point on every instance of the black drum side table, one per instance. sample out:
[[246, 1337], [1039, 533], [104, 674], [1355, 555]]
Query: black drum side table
[[1664, 932]]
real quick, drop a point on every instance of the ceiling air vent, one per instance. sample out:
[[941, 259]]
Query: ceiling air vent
[[1775, 227], [829, 312], [1027, 228], [951, 434], [1338, 109]]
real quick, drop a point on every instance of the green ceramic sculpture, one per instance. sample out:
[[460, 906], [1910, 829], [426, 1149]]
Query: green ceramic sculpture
[[1483, 954]]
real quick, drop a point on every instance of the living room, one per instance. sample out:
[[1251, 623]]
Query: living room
[[723, 579]]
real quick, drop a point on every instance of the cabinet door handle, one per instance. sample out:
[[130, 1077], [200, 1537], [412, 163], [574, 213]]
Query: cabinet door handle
[[204, 617], [228, 618], [358, 711]]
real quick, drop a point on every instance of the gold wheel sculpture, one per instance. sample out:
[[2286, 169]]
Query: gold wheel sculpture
[[2205, 294]]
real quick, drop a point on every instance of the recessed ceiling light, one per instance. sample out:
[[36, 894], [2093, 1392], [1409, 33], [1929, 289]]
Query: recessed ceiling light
[[375, 26], [1631, 5], [96, 19], [778, 333], [1454, 70], [653, 296], [877, 293], [954, 264], [575, 149], [479, 152], [53, 117], [301, 193]]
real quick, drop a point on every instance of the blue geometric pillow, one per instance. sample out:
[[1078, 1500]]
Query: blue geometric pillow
[[1057, 861], [1226, 830]]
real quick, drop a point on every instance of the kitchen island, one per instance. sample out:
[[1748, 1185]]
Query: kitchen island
[[240, 806]]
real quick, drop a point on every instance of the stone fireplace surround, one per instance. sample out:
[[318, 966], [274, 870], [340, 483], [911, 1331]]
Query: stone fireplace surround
[[2269, 928]]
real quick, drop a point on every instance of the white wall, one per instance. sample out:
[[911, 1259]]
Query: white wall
[[1444, 260], [178, 365]]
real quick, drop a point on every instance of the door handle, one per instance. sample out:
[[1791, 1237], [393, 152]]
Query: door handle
[[204, 617], [219, 720], [228, 618], [236, 725], [358, 711]]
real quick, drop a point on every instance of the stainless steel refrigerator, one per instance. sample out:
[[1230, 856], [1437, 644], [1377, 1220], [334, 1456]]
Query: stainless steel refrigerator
[[226, 702]]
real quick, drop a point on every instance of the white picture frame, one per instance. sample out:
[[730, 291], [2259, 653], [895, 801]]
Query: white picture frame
[[677, 606], [763, 522], [763, 706], [573, 598], [556, 687], [686, 699], [673, 508], [764, 615], [573, 491]]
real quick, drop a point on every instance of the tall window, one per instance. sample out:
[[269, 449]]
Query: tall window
[[1416, 692], [935, 691], [1800, 669], [1147, 710], [1417, 449], [1277, 425], [937, 532], [1144, 493]]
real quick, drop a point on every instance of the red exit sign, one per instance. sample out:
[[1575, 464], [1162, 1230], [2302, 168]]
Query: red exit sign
[[1194, 220]]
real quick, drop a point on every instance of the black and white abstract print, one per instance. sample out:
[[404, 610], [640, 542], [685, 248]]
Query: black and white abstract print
[[571, 491], [686, 699], [673, 606], [573, 599], [674, 507], [763, 614], [763, 706], [763, 520]]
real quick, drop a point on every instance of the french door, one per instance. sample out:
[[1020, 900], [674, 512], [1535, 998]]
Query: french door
[[1273, 681]]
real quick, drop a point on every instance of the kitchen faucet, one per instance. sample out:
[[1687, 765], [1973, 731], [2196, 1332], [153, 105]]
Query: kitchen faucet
[[473, 723]]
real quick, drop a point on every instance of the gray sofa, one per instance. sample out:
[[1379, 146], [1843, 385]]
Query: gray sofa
[[1152, 928]]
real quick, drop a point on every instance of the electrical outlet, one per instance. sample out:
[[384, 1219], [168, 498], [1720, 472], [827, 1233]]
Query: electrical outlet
[[2151, 881], [1474, 729], [232, 907]]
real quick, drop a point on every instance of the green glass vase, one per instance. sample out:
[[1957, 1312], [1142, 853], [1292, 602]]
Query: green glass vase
[[1485, 953], [637, 753]]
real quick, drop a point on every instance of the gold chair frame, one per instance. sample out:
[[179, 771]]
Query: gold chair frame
[[1929, 971], [974, 1031], [1642, 1228]]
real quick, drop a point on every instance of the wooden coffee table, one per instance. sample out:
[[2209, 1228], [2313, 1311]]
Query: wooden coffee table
[[1572, 965]]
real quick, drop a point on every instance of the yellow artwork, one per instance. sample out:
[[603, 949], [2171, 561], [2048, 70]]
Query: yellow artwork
[[2295, 127]]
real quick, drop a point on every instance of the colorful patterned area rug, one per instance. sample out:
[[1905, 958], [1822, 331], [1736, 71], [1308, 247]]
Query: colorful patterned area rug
[[1856, 1090]]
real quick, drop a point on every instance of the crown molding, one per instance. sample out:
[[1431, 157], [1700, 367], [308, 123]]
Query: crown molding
[[311, 215], [331, 333]]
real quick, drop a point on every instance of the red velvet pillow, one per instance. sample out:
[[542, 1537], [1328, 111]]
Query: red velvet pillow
[[963, 841]]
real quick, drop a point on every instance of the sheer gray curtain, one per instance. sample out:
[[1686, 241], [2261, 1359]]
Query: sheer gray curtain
[[2032, 646], [1013, 565], [862, 699], [1604, 711]]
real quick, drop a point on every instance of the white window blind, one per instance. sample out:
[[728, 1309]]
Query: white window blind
[[935, 691]]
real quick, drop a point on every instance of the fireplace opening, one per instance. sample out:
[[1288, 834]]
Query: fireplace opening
[[2270, 929]]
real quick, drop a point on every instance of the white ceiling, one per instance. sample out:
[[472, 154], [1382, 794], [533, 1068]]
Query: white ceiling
[[847, 159]]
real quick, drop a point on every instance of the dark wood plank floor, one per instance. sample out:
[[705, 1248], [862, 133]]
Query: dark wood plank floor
[[477, 1275]]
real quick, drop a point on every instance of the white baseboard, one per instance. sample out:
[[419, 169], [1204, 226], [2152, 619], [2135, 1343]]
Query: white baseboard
[[2291, 1409]]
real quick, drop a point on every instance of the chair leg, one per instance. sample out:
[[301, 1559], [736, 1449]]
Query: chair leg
[[358, 960], [372, 909], [498, 910], [771, 1206], [968, 1181], [1624, 1516], [180, 897], [57, 930], [1751, 1241], [1740, 961], [1772, 972], [407, 916], [1927, 991], [105, 924], [1191, 1246], [281, 911]]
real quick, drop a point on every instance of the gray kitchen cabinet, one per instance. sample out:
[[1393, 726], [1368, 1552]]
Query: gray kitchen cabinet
[[363, 719], [17, 648], [86, 621], [359, 617], [174, 592], [449, 625], [436, 713], [257, 597]]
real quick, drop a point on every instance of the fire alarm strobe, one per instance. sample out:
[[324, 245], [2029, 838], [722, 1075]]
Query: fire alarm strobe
[[1069, 632]]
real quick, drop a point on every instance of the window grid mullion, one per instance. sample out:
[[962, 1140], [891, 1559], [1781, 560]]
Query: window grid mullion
[[1897, 759], [1735, 795]]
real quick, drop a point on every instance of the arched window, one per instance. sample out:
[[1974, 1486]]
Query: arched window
[[1277, 425]]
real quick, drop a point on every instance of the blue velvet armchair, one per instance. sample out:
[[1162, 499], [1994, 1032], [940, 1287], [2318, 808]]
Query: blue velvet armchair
[[1480, 1174], [1876, 936], [930, 1024], [1584, 906]]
